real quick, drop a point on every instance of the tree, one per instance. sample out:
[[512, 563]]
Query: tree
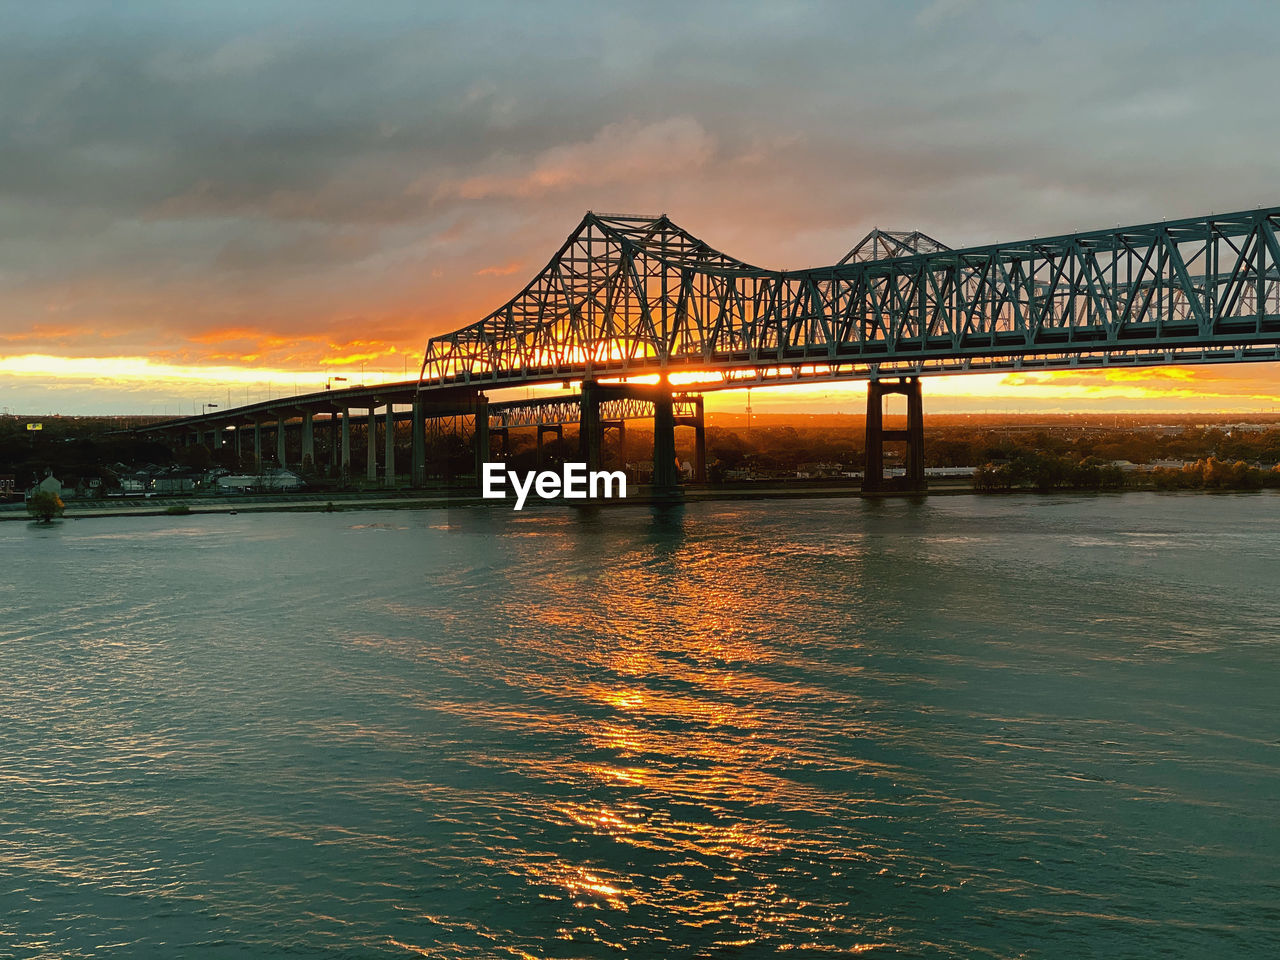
[[44, 505]]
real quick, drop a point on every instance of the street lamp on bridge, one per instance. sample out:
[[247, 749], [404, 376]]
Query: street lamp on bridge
[[205, 407], [328, 384]]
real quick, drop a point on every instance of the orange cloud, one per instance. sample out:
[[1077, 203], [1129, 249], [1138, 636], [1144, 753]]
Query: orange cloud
[[225, 335], [504, 271]]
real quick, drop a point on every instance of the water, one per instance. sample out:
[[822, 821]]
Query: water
[[968, 727]]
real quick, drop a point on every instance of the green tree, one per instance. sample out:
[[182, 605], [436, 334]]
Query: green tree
[[44, 505]]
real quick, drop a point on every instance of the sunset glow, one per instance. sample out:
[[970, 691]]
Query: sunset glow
[[321, 221]]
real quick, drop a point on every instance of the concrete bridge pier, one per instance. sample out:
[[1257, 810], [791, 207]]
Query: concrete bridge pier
[[543, 430], [590, 429], [280, 451], [346, 444], [333, 443], [873, 478], [664, 444], [389, 447], [257, 445], [308, 441], [481, 436], [418, 428], [371, 436]]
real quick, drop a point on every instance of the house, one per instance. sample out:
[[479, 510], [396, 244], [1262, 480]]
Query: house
[[819, 469], [285, 481], [50, 484]]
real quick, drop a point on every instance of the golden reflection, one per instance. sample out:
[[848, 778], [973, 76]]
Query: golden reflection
[[581, 884], [653, 710]]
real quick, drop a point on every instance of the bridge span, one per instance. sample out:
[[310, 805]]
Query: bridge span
[[628, 300]]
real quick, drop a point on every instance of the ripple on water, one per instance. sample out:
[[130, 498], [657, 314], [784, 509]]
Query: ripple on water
[[966, 727]]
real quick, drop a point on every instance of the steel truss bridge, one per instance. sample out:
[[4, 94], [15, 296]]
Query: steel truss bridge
[[629, 296], [630, 300]]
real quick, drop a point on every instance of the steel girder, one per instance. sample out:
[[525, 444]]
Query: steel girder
[[552, 411], [628, 296]]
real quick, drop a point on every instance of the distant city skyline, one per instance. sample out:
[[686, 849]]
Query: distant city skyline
[[206, 204]]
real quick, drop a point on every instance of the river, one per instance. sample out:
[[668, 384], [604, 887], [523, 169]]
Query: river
[[1009, 726]]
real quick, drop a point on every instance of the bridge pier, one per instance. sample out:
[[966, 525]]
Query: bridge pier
[[873, 478], [389, 447], [308, 441], [481, 436], [590, 430], [280, 452], [346, 444], [333, 443], [418, 429], [664, 443], [371, 435], [257, 445]]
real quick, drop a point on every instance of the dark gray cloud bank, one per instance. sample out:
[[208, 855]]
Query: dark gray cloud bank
[[280, 180]]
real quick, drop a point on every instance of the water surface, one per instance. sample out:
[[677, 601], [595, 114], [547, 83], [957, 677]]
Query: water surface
[[1016, 726]]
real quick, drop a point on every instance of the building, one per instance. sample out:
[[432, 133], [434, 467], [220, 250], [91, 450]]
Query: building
[[50, 484]]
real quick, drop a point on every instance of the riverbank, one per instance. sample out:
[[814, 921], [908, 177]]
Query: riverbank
[[426, 500], [435, 500]]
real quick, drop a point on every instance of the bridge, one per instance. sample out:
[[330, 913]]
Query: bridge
[[630, 305]]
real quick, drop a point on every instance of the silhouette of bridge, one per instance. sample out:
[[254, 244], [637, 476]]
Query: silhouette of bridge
[[629, 298]]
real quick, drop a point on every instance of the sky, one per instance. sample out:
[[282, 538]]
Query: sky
[[220, 202]]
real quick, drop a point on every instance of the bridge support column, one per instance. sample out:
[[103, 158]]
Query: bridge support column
[[333, 443], [280, 453], [346, 444], [590, 429], [873, 478], [664, 444], [699, 442], [308, 441], [257, 446], [481, 436], [371, 472], [543, 430], [389, 444], [418, 427]]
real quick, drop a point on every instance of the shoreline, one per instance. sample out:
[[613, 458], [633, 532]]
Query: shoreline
[[406, 500]]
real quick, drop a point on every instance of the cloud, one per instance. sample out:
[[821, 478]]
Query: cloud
[[506, 270], [309, 174], [618, 153]]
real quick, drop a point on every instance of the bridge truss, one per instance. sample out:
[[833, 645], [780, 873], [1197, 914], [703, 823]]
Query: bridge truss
[[628, 296], [552, 411]]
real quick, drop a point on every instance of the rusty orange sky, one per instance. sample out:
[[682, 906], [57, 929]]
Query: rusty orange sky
[[220, 203]]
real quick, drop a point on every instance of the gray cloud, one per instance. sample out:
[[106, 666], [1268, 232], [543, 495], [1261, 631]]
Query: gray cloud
[[171, 169]]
